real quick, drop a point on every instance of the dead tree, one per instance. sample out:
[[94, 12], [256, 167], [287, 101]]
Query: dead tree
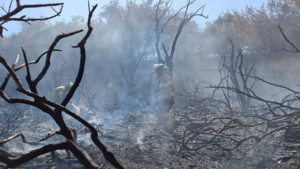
[[283, 113], [162, 19], [9, 16], [33, 98], [234, 72]]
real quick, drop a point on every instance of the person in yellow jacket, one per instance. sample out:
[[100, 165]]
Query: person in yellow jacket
[[165, 99], [166, 89], [59, 93]]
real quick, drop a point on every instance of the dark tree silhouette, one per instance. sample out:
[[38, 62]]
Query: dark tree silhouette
[[53, 109]]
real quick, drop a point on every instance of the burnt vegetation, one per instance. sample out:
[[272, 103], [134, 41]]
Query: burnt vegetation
[[235, 106]]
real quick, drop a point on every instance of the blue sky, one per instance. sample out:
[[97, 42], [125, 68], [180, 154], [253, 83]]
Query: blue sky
[[213, 8]]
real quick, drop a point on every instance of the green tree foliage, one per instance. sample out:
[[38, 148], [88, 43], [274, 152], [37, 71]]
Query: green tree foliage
[[257, 28], [122, 34], [126, 29]]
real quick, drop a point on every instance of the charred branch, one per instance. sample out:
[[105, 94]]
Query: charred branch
[[23, 139], [48, 57], [19, 8], [291, 43], [67, 145], [9, 14], [45, 105]]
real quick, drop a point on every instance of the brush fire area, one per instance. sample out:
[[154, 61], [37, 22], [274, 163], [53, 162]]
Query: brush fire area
[[141, 85]]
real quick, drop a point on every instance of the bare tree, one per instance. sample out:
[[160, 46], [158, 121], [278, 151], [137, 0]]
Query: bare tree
[[9, 16], [33, 98], [161, 22], [235, 72]]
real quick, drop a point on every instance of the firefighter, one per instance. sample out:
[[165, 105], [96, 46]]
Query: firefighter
[[165, 99], [166, 89], [60, 92]]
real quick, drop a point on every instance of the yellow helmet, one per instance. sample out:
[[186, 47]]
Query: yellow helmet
[[70, 84], [159, 66]]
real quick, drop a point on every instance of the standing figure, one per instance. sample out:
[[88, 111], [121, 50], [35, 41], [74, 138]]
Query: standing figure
[[59, 93], [165, 99]]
